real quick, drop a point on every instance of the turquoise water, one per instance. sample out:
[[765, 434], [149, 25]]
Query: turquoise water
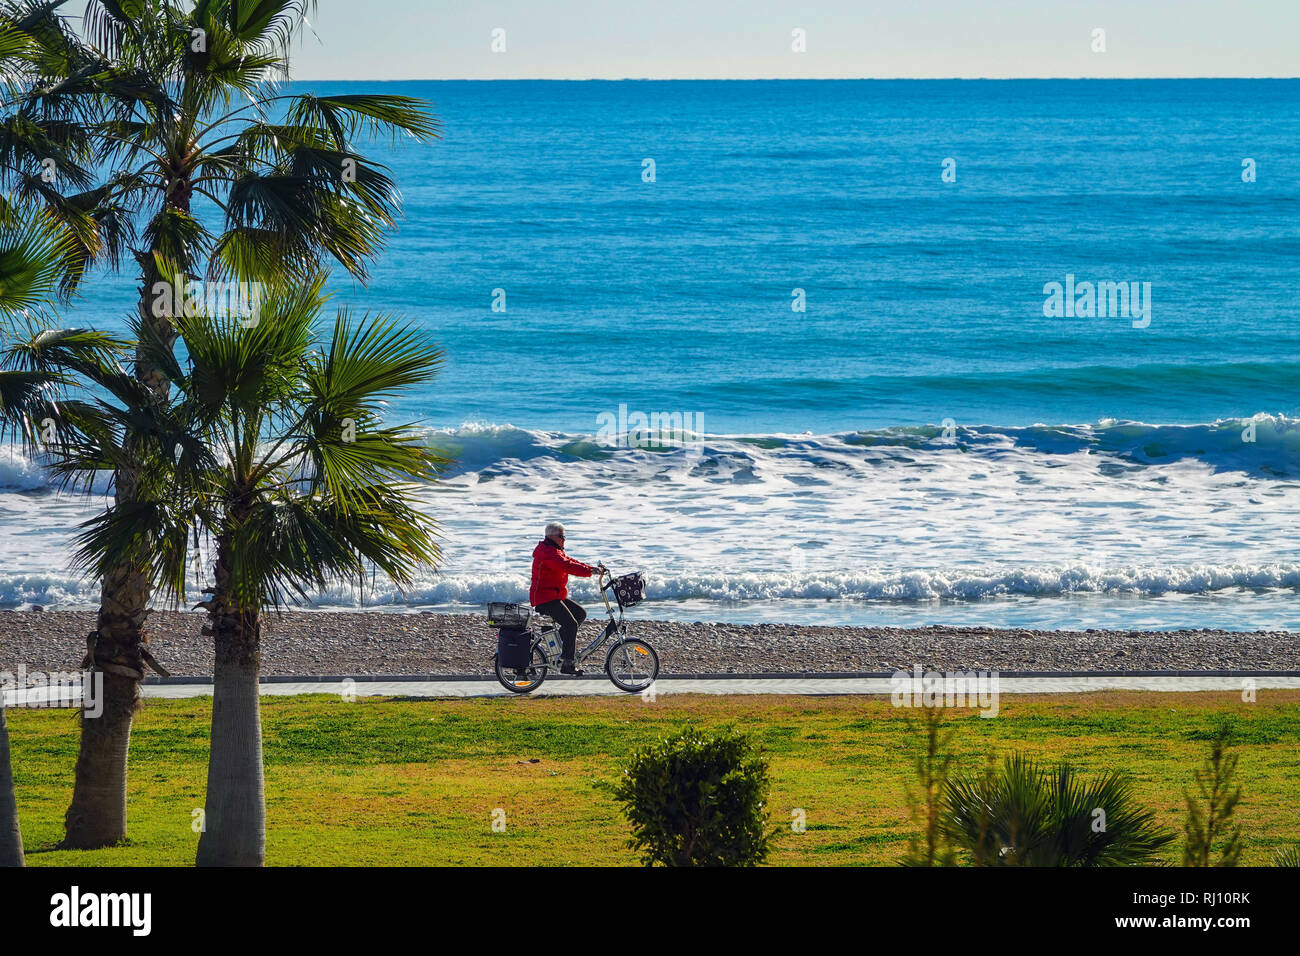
[[922, 431]]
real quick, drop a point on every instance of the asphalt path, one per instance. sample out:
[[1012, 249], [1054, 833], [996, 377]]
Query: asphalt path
[[971, 683]]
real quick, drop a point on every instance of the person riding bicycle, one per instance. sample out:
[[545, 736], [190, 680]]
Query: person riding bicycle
[[549, 591]]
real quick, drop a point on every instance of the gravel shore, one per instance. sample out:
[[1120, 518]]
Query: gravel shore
[[305, 643]]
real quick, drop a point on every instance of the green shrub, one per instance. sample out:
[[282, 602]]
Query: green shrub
[[1024, 814], [698, 798]]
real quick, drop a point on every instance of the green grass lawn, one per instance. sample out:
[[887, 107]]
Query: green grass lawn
[[401, 781]]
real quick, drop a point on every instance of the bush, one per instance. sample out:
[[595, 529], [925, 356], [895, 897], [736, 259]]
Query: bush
[[1024, 814], [698, 798]]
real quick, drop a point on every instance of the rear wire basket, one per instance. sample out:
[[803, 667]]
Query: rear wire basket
[[505, 614]]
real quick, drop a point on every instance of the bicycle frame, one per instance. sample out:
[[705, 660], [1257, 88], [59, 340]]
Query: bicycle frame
[[614, 625]]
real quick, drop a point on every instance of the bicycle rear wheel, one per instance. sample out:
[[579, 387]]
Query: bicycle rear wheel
[[632, 665], [524, 679]]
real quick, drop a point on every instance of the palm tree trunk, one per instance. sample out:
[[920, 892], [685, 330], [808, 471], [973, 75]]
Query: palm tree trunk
[[11, 837], [235, 818], [97, 816]]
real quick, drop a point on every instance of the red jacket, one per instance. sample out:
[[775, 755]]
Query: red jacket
[[551, 570]]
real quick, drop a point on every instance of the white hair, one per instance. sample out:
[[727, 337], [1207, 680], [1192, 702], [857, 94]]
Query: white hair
[[553, 527]]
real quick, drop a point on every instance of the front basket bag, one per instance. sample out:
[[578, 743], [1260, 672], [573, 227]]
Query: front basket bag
[[629, 590]]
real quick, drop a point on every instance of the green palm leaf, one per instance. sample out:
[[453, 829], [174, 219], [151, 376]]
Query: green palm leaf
[[1025, 814], [32, 252]]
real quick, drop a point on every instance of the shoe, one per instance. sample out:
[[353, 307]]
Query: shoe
[[570, 669]]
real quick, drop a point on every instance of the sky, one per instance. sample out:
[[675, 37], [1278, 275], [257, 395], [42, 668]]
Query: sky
[[741, 39]]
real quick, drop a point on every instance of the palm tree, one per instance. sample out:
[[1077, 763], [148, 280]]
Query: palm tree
[[292, 482], [1026, 814], [182, 100], [32, 248]]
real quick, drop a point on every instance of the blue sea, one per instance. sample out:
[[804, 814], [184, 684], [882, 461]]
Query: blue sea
[[839, 296]]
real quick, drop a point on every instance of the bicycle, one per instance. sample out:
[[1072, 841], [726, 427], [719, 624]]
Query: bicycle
[[631, 664]]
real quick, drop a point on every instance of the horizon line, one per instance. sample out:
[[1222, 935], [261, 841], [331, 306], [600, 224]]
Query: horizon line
[[763, 79]]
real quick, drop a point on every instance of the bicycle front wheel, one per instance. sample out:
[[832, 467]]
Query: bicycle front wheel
[[524, 679], [632, 665]]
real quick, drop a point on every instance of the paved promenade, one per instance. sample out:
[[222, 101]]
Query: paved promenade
[[805, 686]]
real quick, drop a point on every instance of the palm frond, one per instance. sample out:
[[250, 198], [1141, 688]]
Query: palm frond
[[264, 24], [369, 360], [373, 115], [1287, 856], [149, 532], [1027, 814], [290, 545], [33, 248]]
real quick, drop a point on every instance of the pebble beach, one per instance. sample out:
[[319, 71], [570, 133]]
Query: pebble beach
[[372, 643]]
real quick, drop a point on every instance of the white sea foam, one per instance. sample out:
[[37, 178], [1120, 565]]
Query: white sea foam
[[908, 514], [20, 473], [473, 589]]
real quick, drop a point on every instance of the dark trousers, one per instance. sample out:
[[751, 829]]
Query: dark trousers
[[568, 614]]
